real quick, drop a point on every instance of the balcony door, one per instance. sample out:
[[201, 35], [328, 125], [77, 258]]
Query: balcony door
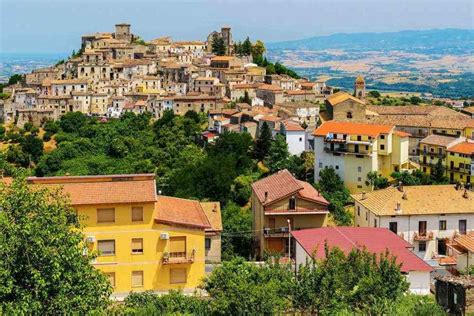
[[462, 226], [422, 228], [178, 247]]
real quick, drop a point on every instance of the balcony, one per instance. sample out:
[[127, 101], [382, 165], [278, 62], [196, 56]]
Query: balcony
[[423, 236], [345, 151], [178, 257]]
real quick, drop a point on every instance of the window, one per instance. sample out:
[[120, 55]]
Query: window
[[359, 138], [137, 278], [358, 210], [442, 225], [359, 179], [366, 215], [106, 247], [422, 228], [375, 222], [422, 246], [359, 169], [337, 167], [301, 139], [462, 226], [208, 243], [178, 246], [137, 214], [111, 277], [349, 115], [393, 226], [382, 147], [382, 136], [177, 276], [292, 203], [105, 215], [137, 245]]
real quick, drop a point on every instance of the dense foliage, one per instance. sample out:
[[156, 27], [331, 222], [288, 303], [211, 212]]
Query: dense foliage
[[358, 282], [44, 269]]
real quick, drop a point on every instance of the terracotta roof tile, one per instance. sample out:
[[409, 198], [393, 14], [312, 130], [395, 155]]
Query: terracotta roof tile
[[463, 148], [171, 210], [465, 241], [213, 213], [336, 98], [277, 186], [352, 128], [113, 189]]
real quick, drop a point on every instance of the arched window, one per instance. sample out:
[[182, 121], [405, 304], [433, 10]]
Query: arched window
[[349, 115]]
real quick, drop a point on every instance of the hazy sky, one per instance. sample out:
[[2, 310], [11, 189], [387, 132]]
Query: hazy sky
[[56, 25]]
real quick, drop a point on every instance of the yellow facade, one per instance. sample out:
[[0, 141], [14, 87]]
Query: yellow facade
[[459, 167], [156, 274], [429, 156]]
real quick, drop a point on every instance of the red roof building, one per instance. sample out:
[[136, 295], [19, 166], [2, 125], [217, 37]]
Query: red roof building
[[310, 243]]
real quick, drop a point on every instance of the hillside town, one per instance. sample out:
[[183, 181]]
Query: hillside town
[[354, 175]]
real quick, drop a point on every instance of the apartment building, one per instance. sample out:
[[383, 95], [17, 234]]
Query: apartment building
[[460, 162], [427, 216], [434, 148], [280, 204], [355, 149], [144, 241]]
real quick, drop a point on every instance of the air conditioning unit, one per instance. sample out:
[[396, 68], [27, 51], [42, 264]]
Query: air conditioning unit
[[164, 236], [90, 239]]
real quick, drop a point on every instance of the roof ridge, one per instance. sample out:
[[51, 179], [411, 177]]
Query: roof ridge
[[347, 238]]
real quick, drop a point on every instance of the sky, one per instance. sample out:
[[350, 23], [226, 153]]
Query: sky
[[37, 26]]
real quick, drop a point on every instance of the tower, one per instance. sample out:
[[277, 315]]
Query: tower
[[359, 87], [122, 32], [227, 37]]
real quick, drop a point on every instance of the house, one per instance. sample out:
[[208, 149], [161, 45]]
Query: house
[[270, 94], [427, 216], [355, 149], [311, 243], [144, 241], [455, 294], [343, 106], [295, 136], [434, 148], [280, 204], [461, 248], [460, 162], [213, 233]]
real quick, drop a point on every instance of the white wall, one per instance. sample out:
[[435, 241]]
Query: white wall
[[419, 282], [296, 141], [323, 159]]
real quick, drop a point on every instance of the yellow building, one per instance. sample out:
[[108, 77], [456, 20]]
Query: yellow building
[[433, 148], [280, 204], [143, 241], [460, 162], [355, 149]]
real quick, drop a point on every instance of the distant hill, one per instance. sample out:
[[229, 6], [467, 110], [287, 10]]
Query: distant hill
[[438, 41]]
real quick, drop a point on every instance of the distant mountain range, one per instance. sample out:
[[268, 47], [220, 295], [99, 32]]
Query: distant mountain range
[[437, 41]]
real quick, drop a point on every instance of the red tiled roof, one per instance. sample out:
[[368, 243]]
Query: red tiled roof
[[463, 148], [111, 189], [352, 128], [292, 126], [171, 210], [375, 240], [466, 241], [310, 193]]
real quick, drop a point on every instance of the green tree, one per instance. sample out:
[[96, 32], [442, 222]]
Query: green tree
[[218, 46], [2, 132], [374, 94], [263, 143], [332, 188], [45, 268], [16, 78], [438, 173], [247, 47], [32, 147], [237, 224], [72, 121], [242, 288], [376, 181], [258, 49], [415, 100], [278, 156], [271, 69]]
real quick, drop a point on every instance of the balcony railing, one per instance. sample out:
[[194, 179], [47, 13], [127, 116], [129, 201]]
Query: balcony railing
[[179, 257], [345, 151], [423, 236]]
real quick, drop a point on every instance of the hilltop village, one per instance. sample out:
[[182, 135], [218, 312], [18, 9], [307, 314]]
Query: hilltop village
[[307, 166]]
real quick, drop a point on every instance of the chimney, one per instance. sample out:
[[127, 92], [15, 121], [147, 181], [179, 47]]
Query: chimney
[[214, 209], [465, 194], [398, 208], [400, 186], [266, 196], [405, 196], [363, 196]]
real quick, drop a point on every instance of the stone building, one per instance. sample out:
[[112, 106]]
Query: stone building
[[359, 87]]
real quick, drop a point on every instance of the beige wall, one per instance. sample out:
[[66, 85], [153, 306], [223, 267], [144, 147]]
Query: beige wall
[[213, 254]]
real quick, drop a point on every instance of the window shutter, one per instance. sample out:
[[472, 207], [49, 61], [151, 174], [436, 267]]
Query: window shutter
[[137, 278], [178, 244], [177, 276], [106, 247], [137, 214], [105, 215], [137, 245]]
